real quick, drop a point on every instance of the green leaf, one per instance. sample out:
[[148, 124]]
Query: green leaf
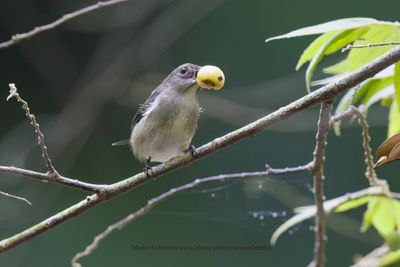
[[390, 258], [359, 57], [325, 46], [370, 92], [350, 36], [352, 204], [394, 119], [393, 240], [389, 71], [396, 213], [384, 214], [318, 57], [396, 82], [379, 95], [343, 105], [383, 219], [370, 87], [370, 213], [335, 25], [313, 48], [374, 86]]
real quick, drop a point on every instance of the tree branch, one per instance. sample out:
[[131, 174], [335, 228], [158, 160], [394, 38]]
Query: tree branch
[[307, 167], [369, 158], [52, 175], [370, 173], [32, 119], [326, 92], [351, 46], [16, 197], [58, 179], [16, 38], [319, 197]]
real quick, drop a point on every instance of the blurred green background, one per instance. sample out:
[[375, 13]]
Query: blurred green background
[[84, 81]]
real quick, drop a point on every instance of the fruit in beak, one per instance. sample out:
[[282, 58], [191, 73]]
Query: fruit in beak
[[210, 77]]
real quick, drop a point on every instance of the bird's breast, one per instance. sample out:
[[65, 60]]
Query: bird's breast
[[166, 130]]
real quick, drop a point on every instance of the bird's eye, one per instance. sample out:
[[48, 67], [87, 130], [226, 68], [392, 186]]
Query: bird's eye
[[183, 70]]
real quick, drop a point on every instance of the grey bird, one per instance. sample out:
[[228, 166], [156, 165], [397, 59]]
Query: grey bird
[[165, 124]]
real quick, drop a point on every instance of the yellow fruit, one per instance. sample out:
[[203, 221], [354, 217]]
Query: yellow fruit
[[210, 77]]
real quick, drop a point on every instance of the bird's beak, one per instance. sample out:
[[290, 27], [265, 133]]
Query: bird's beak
[[210, 77]]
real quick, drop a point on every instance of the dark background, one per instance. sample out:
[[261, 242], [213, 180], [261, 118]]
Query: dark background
[[84, 81]]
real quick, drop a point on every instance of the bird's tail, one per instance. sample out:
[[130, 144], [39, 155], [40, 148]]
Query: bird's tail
[[121, 143]]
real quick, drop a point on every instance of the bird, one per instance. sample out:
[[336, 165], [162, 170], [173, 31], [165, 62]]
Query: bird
[[164, 126]]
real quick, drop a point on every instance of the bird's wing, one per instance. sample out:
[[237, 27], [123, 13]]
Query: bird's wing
[[142, 109]]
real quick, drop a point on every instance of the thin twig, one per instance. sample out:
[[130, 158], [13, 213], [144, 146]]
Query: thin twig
[[319, 197], [351, 46], [369, 158], [16, 197], [344, 115], [16, 38], [163, 197], [274, 171], [32, 118], [58, 179], [52, 175], [326, 92], [348, 112]]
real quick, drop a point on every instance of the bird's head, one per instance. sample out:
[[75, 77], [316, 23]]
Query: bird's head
[[189, 75], [183, 77]]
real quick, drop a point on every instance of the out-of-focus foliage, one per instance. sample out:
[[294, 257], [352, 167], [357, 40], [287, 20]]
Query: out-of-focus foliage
[[358, 31], [383, 212]]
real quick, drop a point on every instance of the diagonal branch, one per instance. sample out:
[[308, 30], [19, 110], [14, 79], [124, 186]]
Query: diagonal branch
[[325, 93], [319, 197], [16, 38]]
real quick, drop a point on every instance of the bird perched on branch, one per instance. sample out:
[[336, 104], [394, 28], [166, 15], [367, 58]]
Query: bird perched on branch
[[165, 124]]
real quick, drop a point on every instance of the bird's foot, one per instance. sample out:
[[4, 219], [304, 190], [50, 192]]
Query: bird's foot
[[192, 150], [147, 167]]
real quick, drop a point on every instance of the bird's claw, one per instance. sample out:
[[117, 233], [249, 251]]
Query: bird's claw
[[192, 150]]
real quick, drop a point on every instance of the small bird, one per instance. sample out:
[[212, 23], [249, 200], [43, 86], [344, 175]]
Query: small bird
[[165, 124]]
